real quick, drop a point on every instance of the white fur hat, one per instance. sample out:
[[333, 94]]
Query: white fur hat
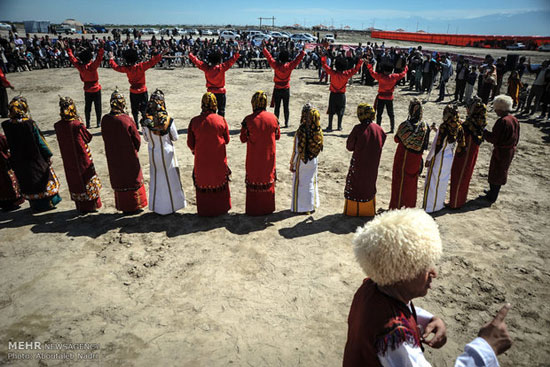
[[397, 245], [503, 102]]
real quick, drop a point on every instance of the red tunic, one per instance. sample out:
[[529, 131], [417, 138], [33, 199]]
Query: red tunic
[[339, 79], [5, 83], [207, 136], [9, 187], [365, 141], [88, 72], [386, 83], [282, 71], [404, 183], [464, 163], [505, 138], [73, 139], [377, 323], [215, 75], [259, 131], [136, 73]]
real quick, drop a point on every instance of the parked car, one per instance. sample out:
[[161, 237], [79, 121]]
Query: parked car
[[64, 29], [516, 46], [90, 30], [149, 31], [206, 32], [299, 37], [229, 35], [311, 37], [329, 37], [278, 35], [5, 27], [99, 28], [545, 47], [261, 37]]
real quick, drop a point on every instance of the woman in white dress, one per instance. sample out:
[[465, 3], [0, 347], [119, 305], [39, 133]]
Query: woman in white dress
[[440, 159], [308, 143], [159, 131]]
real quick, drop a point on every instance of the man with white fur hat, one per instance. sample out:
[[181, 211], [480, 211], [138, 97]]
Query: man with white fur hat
[[399, 250], [505, 138]]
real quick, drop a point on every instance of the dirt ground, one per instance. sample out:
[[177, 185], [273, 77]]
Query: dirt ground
[[181, 290]]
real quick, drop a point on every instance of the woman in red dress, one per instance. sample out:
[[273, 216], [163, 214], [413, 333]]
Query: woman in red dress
[[412, 139], [207, 135], [466, 157], [73, 139], [259, 131], [122, 142]]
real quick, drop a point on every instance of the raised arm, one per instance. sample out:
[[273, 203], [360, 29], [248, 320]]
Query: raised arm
[[353, 71], [117, 67], [195, 60], [152, 62], [98, 58], [229, 63], [72, 59], [373, 73], [326, 67], [269, 58], [297, 60]]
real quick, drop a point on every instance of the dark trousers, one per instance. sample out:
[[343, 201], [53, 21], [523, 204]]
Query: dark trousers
[[536, 92], [492, 194], [139, 104], [459, 90], [3, 102], [380, 103], [282, 95], [220, 98], [95, 98], [427, 82], [485, 92], [442, 85]]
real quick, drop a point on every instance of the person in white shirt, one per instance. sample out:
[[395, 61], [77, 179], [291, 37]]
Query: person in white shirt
[[398, 250]]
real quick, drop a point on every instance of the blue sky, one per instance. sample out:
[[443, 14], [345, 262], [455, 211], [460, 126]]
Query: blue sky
[[524, 17]]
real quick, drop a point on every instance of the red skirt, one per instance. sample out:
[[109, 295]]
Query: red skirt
[[213, 203], [88, 205], [406, 169], [461, 173], [131, 200], [260, 202]]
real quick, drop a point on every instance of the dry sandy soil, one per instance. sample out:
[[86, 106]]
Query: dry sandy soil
[[266, 291]]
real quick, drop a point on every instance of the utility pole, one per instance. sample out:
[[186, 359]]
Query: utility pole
[[272, 21]]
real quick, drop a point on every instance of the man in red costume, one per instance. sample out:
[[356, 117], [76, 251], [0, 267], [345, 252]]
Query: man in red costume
[[207, 135], [214, 72], [136, 77], [88, 74], [122, 143], [283, 69], [386, 85], [338, 82], [259, 131]]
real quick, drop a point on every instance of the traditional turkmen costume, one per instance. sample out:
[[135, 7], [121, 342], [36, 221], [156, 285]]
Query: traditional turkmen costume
[[122, 143], [365, 141], [308, 143], [30, 158], [10, 195], [207, 136], [412, 139], [259, 131], [159, 130], [440, 159], [466, 157], [73, 139]]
